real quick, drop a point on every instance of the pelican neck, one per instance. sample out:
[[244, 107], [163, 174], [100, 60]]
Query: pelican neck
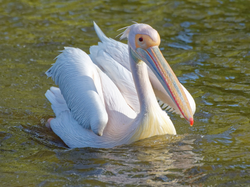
[[144, 89]]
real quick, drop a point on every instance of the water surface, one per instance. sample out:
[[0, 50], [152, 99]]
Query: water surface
[[208, 46]]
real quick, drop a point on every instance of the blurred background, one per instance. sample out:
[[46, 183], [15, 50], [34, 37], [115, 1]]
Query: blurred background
[[207, 43]]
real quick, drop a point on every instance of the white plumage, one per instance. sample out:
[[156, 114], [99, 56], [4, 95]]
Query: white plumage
[[103, 101], [111, 55]]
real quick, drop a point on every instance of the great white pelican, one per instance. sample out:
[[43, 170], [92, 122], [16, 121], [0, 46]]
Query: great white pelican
[[109, 98]]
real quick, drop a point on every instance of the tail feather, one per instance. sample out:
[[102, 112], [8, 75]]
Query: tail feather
[[73, 134], [57, 101]]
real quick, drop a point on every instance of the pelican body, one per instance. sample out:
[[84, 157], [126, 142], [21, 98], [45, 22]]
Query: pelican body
[[109, 98]]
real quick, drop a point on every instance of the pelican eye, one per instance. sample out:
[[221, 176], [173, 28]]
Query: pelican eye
[[140, 39]]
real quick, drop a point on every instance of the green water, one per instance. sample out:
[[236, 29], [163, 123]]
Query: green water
[[207, 43]]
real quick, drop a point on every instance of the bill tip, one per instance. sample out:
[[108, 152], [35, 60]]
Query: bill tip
[[191, 120]]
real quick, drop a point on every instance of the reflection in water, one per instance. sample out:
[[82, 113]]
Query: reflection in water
[[157, 160]]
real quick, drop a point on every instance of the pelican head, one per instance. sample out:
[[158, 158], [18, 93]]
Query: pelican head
[[144, 43]]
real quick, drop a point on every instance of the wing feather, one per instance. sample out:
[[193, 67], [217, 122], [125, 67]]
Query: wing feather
[[120, 76], [80, 86]]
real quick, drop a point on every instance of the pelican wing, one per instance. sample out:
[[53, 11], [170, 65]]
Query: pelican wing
[[81, 88], [117, 50], [117, 53], [121, 76], [87, 94]]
